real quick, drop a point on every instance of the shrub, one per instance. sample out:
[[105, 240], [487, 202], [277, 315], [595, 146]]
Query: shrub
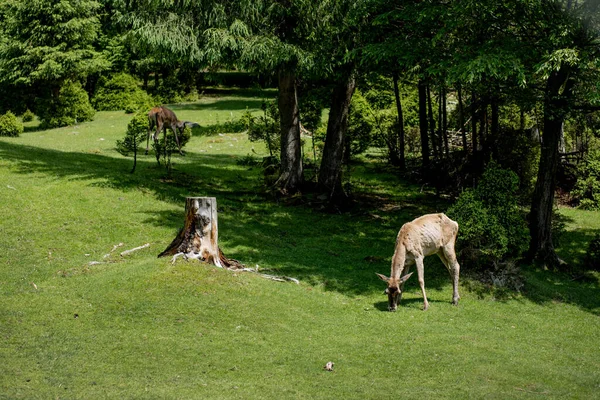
[[121, 92], [229, 126], [70, 107], [28, 116], [492, 227], [137, 130], [481, 240], [498, 189], [265, 127], [169, 91], [10, 125], [360, 125], [159, 147], [587, 188], [592, 257]]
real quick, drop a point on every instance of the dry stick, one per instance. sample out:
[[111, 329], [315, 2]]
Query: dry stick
[[126, 252], [96, 263], [116, 246]]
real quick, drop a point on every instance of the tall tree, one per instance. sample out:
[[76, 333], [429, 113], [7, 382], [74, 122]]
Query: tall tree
[[48, 42], [570, 46], [339, 38], [330, 173]]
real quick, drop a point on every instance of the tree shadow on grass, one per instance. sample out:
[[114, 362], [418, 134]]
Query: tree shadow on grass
[[340, 252], [578, 287]]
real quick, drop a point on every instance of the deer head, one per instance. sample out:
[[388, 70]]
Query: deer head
[[394, 289]]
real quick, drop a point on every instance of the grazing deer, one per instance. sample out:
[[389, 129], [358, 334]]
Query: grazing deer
[[424, 236], [162, 118]]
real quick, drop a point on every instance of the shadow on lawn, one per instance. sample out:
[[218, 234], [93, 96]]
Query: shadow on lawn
[[578, 287], [342, 252]]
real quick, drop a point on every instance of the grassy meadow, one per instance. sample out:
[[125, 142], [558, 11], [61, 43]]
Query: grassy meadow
[[139, 327]]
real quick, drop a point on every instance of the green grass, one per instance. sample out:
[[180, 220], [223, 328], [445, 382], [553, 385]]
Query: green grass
[[141, 327]]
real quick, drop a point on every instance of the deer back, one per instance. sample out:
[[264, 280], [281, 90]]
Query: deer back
[[152, 116], [166, 116], [427, 234]]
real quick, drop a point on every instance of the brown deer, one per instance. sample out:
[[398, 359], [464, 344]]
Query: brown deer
[[162, 118], [424, 236]]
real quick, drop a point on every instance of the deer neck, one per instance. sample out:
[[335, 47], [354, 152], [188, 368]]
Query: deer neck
[[398, 262]]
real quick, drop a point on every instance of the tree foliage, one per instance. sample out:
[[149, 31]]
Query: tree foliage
[[10, 125], [49, 41]]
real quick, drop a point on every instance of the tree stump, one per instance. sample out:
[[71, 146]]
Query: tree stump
[[199, 237]]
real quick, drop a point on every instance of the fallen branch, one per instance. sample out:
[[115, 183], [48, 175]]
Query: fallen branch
[[279, 278], [116, 246], [127, 252]]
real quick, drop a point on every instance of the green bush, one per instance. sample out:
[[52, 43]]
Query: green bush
[[121, 92], [492, 227], [137, 129], [169, 91], [10, 125], [361, 125], [70, 107], [264, 127], [159, 146], [28, 116], [587, 188], [592, 257], [481, 239]]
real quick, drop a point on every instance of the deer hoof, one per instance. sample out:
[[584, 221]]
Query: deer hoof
[[425, 307]]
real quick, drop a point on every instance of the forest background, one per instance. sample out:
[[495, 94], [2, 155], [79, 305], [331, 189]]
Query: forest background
[[343, 120]]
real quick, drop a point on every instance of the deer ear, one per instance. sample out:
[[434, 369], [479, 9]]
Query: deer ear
[[405, 277], [382, 277]]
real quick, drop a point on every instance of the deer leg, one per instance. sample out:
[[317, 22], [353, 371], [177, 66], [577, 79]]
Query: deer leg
[[174, 128], [156, 136], [165, 141], [147, 141], [454, 269], [421, 275]]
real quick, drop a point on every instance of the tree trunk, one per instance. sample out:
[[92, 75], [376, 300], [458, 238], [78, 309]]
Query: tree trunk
[[475, 142], [483, 129], [444, 118], [401, 159], [290, 177], [434, 142], [495, 128], [330, 173], [540, 218], [423, 123], [199, 237], [461, 120]]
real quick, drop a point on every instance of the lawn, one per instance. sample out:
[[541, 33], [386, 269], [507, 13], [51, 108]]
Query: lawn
[[141, 327]]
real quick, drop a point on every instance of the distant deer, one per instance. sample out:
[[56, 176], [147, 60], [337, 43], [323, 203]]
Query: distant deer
[[162, 118], [424, 236]]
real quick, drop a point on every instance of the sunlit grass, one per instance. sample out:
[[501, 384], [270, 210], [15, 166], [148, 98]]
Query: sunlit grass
[[141, 327]]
